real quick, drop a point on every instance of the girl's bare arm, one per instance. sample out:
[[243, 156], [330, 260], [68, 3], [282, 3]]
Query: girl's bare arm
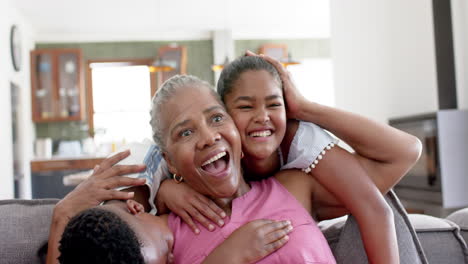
[[385, 153], [356, 192]]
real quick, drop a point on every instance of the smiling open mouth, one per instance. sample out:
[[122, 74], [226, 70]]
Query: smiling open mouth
[[264, 133], [216, 164]]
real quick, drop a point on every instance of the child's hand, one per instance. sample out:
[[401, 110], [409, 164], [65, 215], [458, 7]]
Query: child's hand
[[100, 186], [252, 242], [135, 207], [187, 203], [294, 99]]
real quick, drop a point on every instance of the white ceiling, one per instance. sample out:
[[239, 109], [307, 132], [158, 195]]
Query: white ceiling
[[113, 20]]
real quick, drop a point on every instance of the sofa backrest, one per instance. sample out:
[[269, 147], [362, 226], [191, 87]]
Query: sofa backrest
[[24, 229], [344, 237]]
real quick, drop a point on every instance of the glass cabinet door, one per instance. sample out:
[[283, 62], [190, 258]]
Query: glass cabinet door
[[44, 92], [56, 85], [68, 85]]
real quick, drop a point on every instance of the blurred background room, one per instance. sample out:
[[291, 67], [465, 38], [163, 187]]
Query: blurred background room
[[77, 77]]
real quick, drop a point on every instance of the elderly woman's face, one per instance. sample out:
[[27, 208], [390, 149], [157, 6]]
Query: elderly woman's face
[[202, 142]]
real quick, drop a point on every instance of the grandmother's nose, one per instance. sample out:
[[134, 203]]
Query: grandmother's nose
[[208, 137]]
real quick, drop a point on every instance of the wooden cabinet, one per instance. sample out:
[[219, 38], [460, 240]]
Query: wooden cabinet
[[56, 85]]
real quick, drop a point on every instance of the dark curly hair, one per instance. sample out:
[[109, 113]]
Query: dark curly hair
[[99, 236], [233, 71]]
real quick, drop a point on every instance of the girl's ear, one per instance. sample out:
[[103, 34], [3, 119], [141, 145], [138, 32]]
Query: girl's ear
[[169, 163]]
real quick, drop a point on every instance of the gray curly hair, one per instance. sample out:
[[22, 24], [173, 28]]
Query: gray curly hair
[[166, 92]]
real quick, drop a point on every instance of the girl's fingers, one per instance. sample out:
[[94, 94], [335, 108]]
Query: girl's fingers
[[249, 53], [195, 214], [275, 63], [213, 208], [188, 220]]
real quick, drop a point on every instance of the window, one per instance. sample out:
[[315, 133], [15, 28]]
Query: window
[[121, 103], [314, 79]]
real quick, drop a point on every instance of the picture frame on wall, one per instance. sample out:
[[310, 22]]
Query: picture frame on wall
[[174, 56]]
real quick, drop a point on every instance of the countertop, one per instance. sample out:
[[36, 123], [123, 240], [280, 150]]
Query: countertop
[[64, 163]]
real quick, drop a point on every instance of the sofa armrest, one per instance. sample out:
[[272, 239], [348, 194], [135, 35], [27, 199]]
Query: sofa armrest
[[460, 218], [440, 238], [24, 225]]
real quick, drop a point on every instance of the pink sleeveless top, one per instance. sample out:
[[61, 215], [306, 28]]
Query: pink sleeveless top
[[267, 199]]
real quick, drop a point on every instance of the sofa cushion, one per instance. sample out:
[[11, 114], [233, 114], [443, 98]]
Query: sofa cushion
[[460, 218], [440, 238], [24, 226], [344, 241]]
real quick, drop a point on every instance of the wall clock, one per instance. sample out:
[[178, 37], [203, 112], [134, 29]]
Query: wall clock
[[15, 47]]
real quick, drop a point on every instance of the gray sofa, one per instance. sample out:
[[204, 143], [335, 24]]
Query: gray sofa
[[24, 227]]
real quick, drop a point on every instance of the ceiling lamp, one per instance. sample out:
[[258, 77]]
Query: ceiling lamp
[[161, 65], [289, 61], [219, 67]]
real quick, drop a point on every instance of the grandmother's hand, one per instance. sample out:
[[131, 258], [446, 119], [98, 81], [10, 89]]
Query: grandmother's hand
[[100, 186], [251, 242], [188, 203]]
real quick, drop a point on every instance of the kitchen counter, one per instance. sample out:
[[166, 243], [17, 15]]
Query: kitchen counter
[[62, 163]]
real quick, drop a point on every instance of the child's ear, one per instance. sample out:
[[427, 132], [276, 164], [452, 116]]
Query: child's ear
[[169, 163], [135, 207]]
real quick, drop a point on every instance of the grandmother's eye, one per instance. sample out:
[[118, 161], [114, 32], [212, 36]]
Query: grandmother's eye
[[217, 118], [186, 133]]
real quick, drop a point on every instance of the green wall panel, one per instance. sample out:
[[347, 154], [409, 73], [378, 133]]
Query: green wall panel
[[199, 52]]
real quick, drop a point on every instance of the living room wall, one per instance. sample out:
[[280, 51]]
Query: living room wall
[[10, 16], [384, 57], [199, 61]]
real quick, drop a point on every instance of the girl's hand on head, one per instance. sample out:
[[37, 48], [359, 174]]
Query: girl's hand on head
[[293, 98], [187, 203], [252, 242], [100, 186]]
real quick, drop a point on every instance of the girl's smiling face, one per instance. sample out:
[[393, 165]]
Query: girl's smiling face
[[256, 105], [202, 142]]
